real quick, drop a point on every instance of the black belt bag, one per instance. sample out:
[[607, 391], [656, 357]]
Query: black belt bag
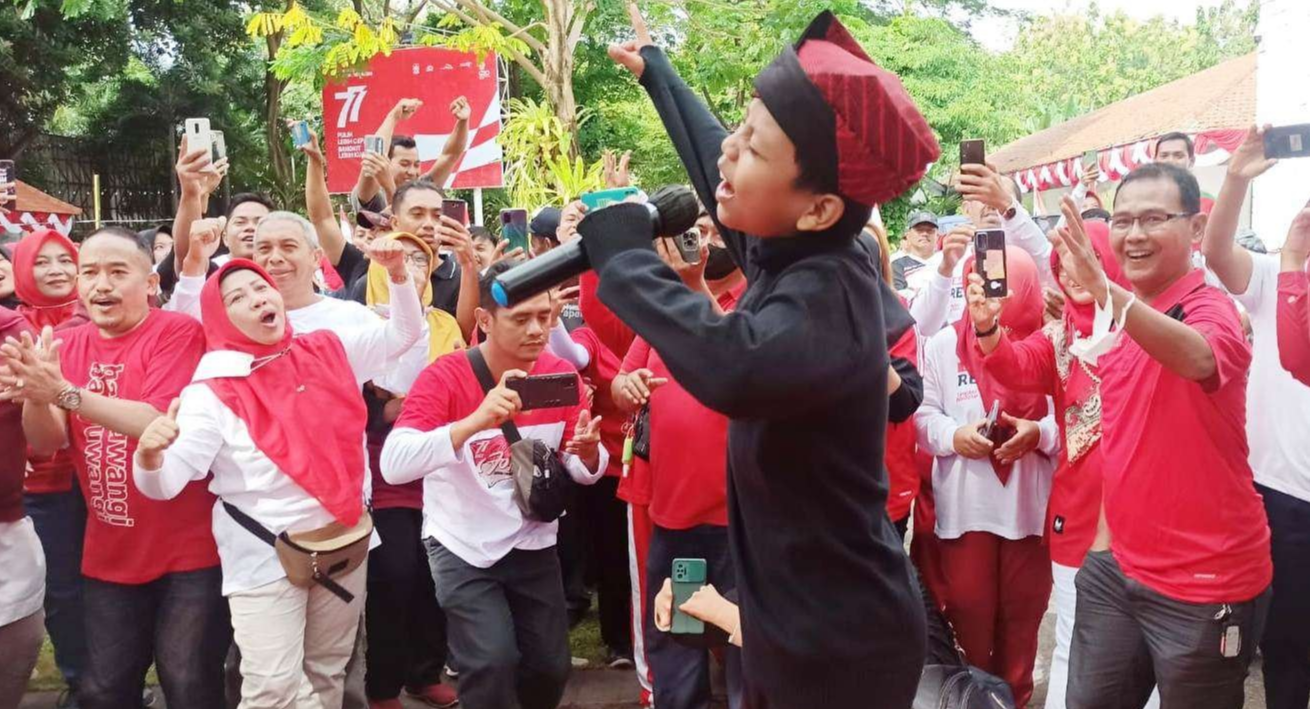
[[541, 484]]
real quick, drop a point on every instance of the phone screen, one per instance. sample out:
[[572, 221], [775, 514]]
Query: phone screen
[[547, 391], [299, 133], [972, 152], [220, 145], [514, 228], [1089, 160], [989, 250], [456, 209]]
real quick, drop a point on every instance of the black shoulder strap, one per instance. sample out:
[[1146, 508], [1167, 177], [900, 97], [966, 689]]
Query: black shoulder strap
[[488, 382]]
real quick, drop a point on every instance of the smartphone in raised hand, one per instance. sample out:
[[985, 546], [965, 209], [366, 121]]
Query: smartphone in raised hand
[[514, 228], [456, 209], [989, 250], [1288, 142], [546, 391], [972, 152], [198, 136], [9, 174]]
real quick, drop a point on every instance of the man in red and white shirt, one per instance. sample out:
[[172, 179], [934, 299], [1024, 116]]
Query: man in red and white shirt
[[497, 573], [152, 591], [1184, 588]]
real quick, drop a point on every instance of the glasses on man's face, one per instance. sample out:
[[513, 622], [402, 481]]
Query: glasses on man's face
[[1151, 222], [418, 260]]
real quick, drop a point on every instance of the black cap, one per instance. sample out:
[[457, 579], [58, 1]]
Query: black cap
[[546, 223], [922, 217]]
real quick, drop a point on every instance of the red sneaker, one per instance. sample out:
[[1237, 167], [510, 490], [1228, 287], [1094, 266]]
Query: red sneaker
[[441, 696], [385, 704]]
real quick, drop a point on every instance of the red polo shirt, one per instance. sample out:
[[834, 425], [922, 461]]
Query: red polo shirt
[[1180, 500]]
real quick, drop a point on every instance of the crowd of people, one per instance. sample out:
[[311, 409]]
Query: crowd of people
[[285, 459]]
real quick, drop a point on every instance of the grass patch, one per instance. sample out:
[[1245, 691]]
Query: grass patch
[[585, 642]]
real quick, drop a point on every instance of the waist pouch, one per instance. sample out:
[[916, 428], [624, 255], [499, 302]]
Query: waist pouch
[[318, 555]]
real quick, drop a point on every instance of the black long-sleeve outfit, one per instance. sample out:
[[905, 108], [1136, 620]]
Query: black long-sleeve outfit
[[831, 615]]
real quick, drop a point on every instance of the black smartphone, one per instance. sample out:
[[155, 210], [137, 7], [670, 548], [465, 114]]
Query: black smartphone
[[456, 209], [8, 173], [546, 391], [689, 245], [972, 152], [989, 250], [1288, 141]]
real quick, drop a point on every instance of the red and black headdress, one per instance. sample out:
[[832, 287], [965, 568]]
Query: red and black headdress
[[848, 117]]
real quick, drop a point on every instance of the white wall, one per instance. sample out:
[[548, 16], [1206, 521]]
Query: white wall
[[1282, 98]]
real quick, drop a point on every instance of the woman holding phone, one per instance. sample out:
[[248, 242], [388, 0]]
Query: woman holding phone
[[995, 448]]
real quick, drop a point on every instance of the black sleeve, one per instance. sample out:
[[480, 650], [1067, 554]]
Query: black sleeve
[[352, 264], [794, 351], [905, 401], [697, 136], [898, 275], [167, 271]]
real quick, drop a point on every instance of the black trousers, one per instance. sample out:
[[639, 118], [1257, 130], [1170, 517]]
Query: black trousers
[[406, 626], [507, 626], [1127, 637], [607, 529], [682, 672], [1286, 643], [179, 621]]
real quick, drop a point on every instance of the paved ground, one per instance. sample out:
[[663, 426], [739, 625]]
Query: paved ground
[[611, 689]]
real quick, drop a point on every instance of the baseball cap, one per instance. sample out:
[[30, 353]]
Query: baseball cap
[[922, 217]]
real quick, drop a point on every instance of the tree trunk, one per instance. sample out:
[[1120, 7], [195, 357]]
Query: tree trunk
[[562, 16], [273, 88]]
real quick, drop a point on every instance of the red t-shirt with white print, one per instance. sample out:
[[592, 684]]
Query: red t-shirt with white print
[[130, 538], [468, 505]]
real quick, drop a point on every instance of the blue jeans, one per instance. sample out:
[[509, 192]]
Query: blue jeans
[[60, 519], [179, 621]]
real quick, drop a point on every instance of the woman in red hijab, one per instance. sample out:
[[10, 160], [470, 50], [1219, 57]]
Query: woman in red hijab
[[45, 283], [279, 421], [990, 486], [1041, 364]]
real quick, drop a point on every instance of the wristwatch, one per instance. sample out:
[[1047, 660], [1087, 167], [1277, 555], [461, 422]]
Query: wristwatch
[[70, 399], [982, 334]]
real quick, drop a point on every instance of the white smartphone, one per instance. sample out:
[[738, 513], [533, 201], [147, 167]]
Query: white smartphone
[[220, 145], [198, 136]]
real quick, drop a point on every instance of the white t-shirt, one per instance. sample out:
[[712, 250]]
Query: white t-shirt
[[1277, 406], [968, 495]]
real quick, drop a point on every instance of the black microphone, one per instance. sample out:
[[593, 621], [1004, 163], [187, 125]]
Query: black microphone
[[673, 210]]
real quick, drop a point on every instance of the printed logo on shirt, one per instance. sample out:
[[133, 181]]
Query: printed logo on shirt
[[1057, 525], [491, 460], [105, 452], [966, 388]]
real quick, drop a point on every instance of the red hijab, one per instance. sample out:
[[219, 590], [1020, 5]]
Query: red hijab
[[1021, 315], [1078, 318], [39, 308], [302, 407]]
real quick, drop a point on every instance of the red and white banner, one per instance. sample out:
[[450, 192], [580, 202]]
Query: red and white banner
[[356, 106], [34, 221], [1212, 148]]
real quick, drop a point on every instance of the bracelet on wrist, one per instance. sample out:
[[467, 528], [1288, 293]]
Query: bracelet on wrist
[[984, 334]]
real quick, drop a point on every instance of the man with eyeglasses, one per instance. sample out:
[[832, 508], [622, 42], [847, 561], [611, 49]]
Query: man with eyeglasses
[[1181, 595]]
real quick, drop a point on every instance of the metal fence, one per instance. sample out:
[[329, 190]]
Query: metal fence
[[136, 182]]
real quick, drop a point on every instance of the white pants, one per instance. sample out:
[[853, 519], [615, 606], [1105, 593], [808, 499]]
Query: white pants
[[295, 642], [1065, 596]]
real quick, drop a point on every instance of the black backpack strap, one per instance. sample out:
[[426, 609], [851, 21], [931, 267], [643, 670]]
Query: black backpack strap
[[250, 525], [488, 382]]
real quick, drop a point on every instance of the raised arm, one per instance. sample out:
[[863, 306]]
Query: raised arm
[[367, 186], [1229, 261], [374, 351], [1024, 365], [1293, 290], [318, 205], [696, 134], [197, 178], [1182, 349], [456, 143]]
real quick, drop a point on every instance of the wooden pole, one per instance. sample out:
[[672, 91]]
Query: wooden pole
[[95, 190]]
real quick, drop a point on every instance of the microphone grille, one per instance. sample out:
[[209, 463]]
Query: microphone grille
[[676, 208]]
